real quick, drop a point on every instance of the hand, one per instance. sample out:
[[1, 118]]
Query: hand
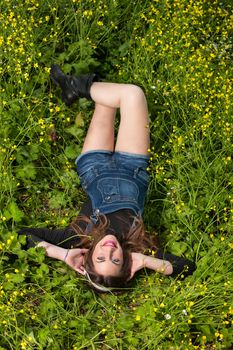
[[138, 263], [75, 259]]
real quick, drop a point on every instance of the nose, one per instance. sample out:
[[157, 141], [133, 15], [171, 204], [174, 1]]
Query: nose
[[108, 251]]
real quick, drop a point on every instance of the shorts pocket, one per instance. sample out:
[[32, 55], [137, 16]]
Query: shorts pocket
[[87, 177], [118, 189]]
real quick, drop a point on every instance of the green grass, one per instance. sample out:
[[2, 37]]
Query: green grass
[[180, 52]]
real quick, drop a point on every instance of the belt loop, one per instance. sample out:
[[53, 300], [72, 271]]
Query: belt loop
[[95, 216]]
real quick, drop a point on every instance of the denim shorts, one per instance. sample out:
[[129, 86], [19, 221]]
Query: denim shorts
[[114, 180]]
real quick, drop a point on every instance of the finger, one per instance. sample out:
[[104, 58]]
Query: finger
[[83, 250], [80, 270], [131, 276]]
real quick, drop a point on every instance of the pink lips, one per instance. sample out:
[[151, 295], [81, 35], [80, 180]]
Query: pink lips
[[110, 244]]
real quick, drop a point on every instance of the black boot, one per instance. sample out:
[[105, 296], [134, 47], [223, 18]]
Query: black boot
[[72, 87]]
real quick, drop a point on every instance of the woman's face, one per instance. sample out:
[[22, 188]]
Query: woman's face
[[107, 256]]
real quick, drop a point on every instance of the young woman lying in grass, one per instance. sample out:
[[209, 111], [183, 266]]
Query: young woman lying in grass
[[107, 242]]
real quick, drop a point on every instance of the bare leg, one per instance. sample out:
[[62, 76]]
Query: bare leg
[[100, 135], [133, 133]]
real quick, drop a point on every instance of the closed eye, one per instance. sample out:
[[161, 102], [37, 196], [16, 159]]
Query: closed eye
[[116, 261], [100, 259]]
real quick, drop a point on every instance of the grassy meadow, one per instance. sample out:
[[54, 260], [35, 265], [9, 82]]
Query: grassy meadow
[[180, 52]]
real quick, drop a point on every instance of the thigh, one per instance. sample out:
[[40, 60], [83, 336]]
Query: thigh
[[133, 138], [100, 134], [133, 134]]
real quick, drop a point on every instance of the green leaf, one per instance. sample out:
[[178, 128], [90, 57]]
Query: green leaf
[[15, 107], [74, 323], [27, 171], [17, 278], [79, 122], [178, 248], [73, 130], [13, 212], [71, 152], [86, 65], [43, 335], [57, 200], [42, 270], [206, 330]]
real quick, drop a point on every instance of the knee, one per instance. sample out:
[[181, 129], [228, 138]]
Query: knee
[[135, 93]]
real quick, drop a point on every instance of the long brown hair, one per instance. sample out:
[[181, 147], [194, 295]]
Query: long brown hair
[[134, 240]]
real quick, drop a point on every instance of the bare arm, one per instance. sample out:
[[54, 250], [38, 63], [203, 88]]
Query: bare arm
[[158, 265], [53, 251], [72, 257], [140, 261]]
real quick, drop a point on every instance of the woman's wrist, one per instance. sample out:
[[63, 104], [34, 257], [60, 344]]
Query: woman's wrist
[[147, 262], [66, 255], [54, 251], [159, 265]]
